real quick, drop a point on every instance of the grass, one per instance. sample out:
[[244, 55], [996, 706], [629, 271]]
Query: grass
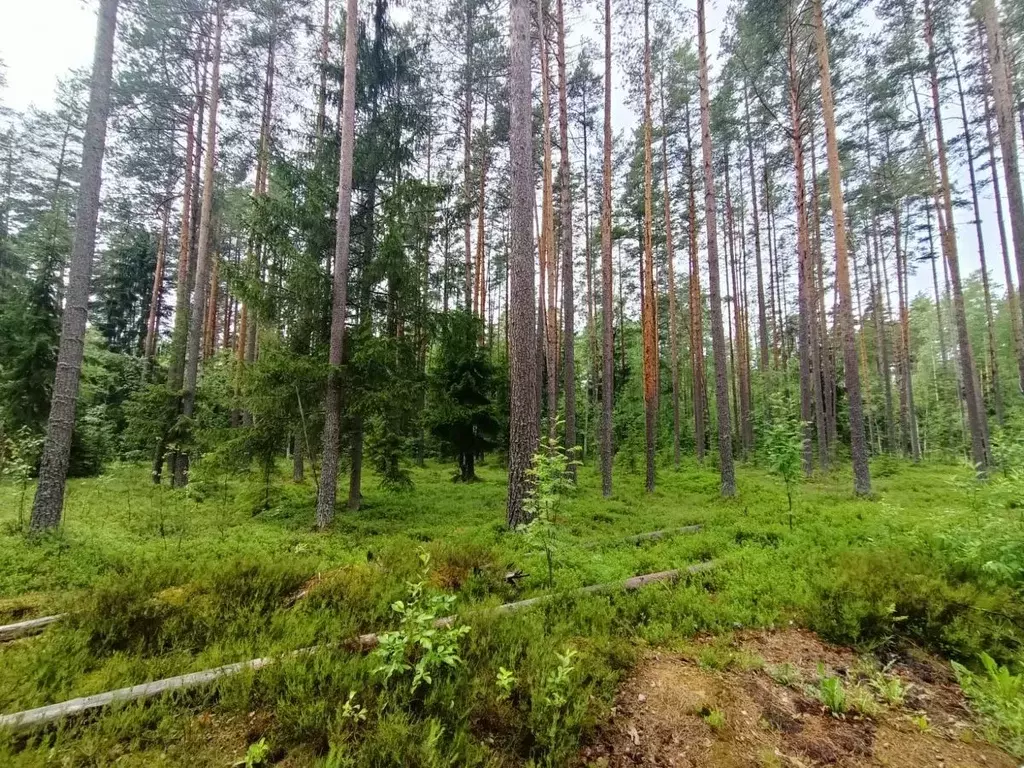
[[161, 582]]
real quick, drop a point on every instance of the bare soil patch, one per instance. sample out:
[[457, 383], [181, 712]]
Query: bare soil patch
[[750, 700]]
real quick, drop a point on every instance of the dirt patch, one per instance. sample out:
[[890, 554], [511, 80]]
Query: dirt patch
[[752, 700]]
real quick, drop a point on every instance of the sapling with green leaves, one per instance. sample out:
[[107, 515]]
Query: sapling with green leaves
[[783, 446], [418, 645], [550, 482]]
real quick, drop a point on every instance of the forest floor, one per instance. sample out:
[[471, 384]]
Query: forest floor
[[158, 583]]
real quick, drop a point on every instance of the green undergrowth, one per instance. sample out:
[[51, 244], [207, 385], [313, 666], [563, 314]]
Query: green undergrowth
[[161, 582]]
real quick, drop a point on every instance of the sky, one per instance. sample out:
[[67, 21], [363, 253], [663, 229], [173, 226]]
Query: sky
[[40, 40]]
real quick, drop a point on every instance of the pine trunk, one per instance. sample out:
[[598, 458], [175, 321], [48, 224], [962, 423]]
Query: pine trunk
[[524, 405], [975, 408], [607, 312], [328, 490], [197, 312], [48, 505], [696, 304], [670, 257], [153, 323], [993, 361], [858, 442], [1002, 95], [762, 317], [1013, 298], [648, 299], [565, 223], [803, 269], [726, 468]]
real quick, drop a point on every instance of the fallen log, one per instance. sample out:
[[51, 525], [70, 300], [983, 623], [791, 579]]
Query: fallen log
[[52, 712], [29, 627]]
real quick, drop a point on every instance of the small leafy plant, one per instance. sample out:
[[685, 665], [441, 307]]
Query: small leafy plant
[[352, 711], [832, 693], [785, 674], [783, 445], [549, 484], [891, 690], [505, 682], [420, 645], [556, 685], [256, 755], [715, 718]]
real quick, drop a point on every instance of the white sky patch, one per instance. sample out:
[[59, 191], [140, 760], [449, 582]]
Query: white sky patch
[[40, 40]]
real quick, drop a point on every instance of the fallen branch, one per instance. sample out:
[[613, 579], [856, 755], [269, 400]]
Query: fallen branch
[[29, 627], [52, 712]]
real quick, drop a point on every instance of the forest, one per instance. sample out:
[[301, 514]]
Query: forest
[[333, 334]]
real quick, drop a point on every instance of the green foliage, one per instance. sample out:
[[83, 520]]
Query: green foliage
[[257, 755], [783, 444], [421, 645], [506, 682], [549, 481], [462, 384], [163, 583], [832, 694], [715, 719], [998, 694]]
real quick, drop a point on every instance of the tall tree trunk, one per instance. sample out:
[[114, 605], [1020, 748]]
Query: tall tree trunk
[[1013, 299], [592, 388], [670, 256], [650, 330], [325, 51], [547, 251], [696, 305], [153, 323], [210, 326], [858, 442], [328, 490], [975, 408], [803, 277], [607, 313], [524, 405], [762, 317], [479, 299], [910, 415], [197, 313], [48, 504], [568, 297], [467, 154], [997, 395], [726, 468], [1002, 95]]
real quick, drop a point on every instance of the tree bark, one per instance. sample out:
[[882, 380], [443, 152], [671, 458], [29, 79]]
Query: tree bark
[[153, 323], [803, 258], [328, 490], [568, 296], [523, 412], [726, 469], [650, 330], [670, 257], [1002, 96], [1013, 299], [607, 312], [762, 317], [48, 504], [858, 442], [696, 304], [997, 394], [975, 408], [197, 313]]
